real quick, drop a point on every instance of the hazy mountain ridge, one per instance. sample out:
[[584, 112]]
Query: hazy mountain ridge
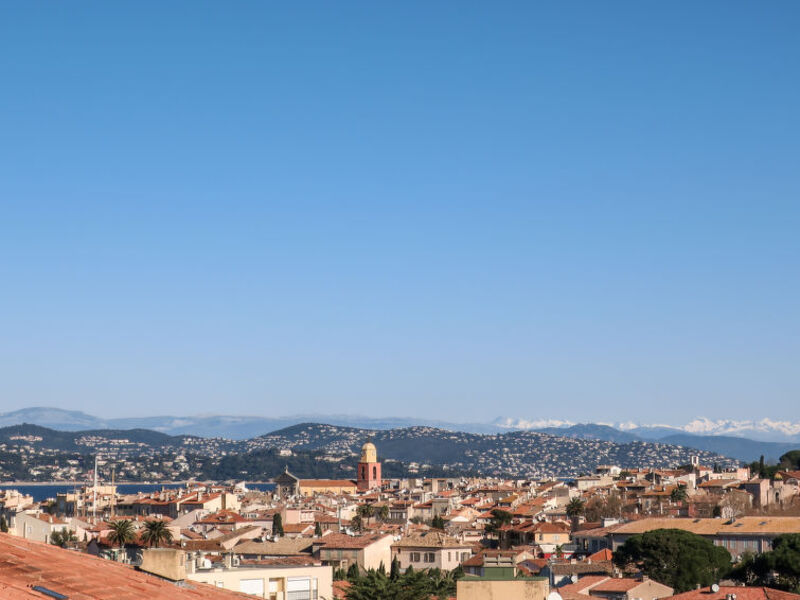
[[515, 453], [766, 430], [248, 427], [143, 453], [742, 448]]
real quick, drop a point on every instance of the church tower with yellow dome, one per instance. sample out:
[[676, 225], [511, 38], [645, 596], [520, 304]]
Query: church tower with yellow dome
[[369, 469]]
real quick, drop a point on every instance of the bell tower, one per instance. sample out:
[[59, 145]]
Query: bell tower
[[369, 469]]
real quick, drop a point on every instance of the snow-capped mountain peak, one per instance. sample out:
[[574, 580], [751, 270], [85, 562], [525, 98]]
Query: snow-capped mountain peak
[[765, 429]]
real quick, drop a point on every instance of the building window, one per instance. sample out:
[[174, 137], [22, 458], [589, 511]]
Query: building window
[[430, 557], [415, 557], [374, 472]]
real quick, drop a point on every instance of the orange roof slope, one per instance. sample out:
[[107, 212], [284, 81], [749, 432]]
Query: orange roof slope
[[742, 593], [24, 564]]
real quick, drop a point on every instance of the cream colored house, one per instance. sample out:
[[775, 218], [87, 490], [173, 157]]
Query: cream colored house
[[500, 581], [38, 527], [291, 578], [430, 550], [501, 589], [367, 551]]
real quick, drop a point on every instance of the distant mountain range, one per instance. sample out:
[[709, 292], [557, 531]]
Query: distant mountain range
[[226, 426], [36, 453], [743, 440], [765, 430]]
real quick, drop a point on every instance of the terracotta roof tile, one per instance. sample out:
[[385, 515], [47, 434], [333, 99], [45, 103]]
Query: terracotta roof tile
[[742, 593], [24, 563]]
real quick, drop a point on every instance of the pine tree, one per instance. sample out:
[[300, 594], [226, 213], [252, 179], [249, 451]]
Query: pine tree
[[3, 525], [277, 524], [352, 572], [318, 529], [394, 570]]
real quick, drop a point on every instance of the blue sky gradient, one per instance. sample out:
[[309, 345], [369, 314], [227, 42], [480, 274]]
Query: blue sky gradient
[[454, 210]]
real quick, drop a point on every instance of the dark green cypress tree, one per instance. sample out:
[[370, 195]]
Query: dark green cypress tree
[[394, 570], [277, 524]]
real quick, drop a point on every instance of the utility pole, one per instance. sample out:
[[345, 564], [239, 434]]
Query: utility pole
[[113, 492], [94, 493]]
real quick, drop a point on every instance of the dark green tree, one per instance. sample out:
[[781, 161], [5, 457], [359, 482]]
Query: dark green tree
[[356, 523], [575, 508], [3, 525], [352, 573], [677, 558], [63, 537], [394, 570], [156, 533], [382, 568], [778, 568], [790, 460], [372, 586], [277, 524], [383, 512], [121, 533], [499, 518], [317, 529], [365, 511], [437, 522], [678, 494]]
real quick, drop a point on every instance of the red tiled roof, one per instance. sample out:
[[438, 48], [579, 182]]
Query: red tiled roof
[[572, 590], [604, 554], [24, 564], [617, 585], [742, 593]]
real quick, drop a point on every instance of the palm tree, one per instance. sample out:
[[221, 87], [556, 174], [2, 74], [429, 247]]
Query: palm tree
[[678, 494], [121, 533], [355, 523], [575, 508], [155, 533], [366, 511], [383, 512]]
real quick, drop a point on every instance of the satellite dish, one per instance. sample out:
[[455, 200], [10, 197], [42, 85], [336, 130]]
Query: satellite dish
[[554, 596], [574, 578], [715, 588]]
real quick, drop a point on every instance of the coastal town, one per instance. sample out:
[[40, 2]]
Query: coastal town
[[34, 453], [468, 537]]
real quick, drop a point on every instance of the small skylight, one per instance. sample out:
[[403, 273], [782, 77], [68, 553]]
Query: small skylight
[[49, 593]]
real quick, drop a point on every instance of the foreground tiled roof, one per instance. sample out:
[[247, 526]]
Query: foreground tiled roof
[[25, 564], [742, 593]]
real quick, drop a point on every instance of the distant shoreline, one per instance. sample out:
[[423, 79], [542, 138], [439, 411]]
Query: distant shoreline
[[4, 484]]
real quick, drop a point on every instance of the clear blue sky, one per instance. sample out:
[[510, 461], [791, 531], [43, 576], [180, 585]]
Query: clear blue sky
[[457, 210]]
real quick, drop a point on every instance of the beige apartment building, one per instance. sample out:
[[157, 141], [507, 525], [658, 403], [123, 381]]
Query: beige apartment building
[[430, 550], [38, 527], [289, 578], [341, 551]]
